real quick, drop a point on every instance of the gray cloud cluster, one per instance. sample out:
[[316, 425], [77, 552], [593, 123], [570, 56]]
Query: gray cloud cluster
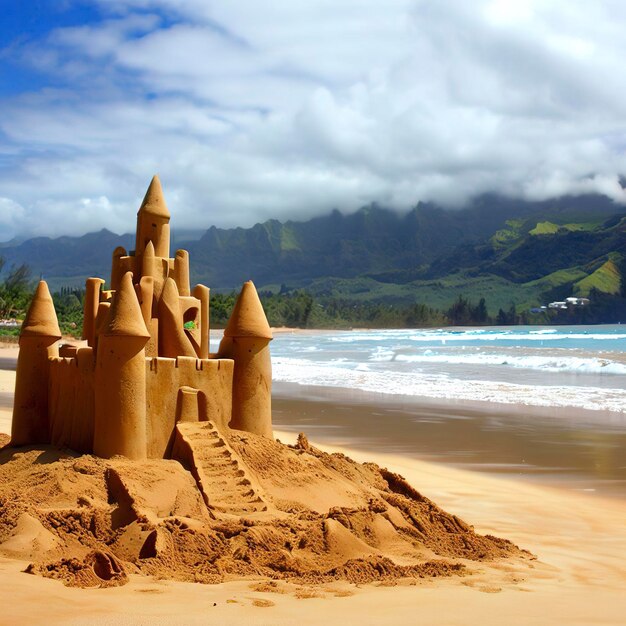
[[251, 110]]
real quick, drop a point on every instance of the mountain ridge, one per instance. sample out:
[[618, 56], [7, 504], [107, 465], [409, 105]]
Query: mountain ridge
[[513, 250]]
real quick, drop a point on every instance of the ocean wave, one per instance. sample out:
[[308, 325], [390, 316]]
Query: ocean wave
[[472, 335], [518, 337], [304, 372], [545, 363]]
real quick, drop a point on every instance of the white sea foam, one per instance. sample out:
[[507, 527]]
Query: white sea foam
[[472, 335], [381, 353], [440, 386], [518, 337], [545, 363]]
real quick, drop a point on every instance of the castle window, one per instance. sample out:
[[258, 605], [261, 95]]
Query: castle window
[[191, 315]]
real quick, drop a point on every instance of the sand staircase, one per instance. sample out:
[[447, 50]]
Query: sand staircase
[[220, 475]]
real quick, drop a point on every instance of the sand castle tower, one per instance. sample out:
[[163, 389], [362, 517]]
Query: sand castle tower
[[38, 341], [246, 341], [153, 222], [147, 364], [120, 379]]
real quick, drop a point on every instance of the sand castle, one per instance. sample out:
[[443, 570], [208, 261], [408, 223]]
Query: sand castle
[[144, 453], [147, 365]]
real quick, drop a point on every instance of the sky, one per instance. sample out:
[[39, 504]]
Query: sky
[[284, 109]]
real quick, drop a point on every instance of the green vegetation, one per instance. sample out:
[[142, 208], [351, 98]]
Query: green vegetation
[[555, 279], [588, 226], [549, 228], [441, 293], [69, 305], [288, 239], [9, 334], [300, 309], [15, 291], [544, 228], [509, 235], [606, 278]]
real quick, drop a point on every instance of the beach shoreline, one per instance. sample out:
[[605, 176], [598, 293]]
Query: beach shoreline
[[570, 448], [578, 578], [576, 450]]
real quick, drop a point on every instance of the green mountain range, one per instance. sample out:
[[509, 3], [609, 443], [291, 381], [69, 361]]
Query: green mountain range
[[506, 251]]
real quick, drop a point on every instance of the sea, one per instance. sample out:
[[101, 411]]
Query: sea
[[583, 367], [543, 403]]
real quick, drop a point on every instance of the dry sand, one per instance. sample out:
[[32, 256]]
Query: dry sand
[[578, 578]]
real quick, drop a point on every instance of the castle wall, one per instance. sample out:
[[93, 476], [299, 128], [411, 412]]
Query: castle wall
[[71, 398], [71, 401], [213, 378]]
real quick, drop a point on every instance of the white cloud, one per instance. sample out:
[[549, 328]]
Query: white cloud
[[253, 110], [11, 216]]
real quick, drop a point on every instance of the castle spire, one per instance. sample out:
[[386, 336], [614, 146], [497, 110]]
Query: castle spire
[[154, 202], [248, 317], [125, 317], [38, 340], [246, 341], [41, 319], [153, 222]]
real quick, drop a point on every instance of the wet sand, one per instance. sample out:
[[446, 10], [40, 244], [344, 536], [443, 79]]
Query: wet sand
[[576, 450]]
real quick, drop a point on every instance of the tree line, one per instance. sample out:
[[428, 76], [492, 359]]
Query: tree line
[[300, 309]]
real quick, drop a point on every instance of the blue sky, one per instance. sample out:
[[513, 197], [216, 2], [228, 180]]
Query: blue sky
[[252, 110], [25, 22]]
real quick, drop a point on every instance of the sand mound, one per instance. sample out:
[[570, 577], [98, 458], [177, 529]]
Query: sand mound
[[259, 508]]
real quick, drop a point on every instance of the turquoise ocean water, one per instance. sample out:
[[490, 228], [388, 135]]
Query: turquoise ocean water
[[561, 366]]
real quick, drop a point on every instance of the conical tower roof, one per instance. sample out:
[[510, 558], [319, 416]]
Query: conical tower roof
[[154, 202], [41, 319], [125, 318], [248, 317]]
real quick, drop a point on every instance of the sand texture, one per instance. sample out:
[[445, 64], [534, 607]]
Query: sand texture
[[129, 540], [299, 514]]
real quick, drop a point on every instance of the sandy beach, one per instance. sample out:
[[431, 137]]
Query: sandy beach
[[578, 577]]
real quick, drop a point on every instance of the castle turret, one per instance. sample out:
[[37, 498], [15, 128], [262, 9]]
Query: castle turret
[[153, 222], [120, 378], [38, 338], [246, 341], [155, 267], [202, 294], [181, 272], [173, 341], [90, 309], [120, 264]]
